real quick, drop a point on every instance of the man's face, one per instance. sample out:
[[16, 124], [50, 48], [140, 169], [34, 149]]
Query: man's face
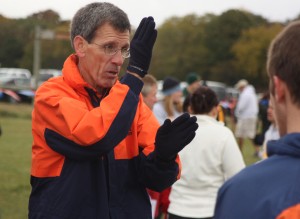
[[98, 68], [194, 86], [270, 113], [151, 98], [177, 96]]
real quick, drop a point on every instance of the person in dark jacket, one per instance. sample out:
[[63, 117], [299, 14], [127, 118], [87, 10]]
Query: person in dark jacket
[[96, 145], [270, 188]]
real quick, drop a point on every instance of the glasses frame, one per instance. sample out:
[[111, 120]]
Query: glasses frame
[[113, 51]]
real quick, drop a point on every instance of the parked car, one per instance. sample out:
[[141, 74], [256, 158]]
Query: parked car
[[14, 73], [45, 74], [15, 90]]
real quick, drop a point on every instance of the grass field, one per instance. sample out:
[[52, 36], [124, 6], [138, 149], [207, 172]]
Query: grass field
[[15, 159]]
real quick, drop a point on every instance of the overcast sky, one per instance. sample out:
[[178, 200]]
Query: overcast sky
[[273, 10]]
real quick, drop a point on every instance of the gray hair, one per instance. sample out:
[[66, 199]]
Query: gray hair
[[94, 15]]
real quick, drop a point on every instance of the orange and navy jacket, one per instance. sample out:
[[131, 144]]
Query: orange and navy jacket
[[92, 155], [267, 189]]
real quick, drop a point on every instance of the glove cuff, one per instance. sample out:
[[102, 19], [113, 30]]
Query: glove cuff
[[136, 70]]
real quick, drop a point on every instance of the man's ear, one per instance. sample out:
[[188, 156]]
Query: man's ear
[[279, 89], [80, 46]]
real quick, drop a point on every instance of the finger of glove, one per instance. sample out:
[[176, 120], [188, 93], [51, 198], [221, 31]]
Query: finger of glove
[[181, 119], [187, 140], [153, 38], [190, 122], [146, 29], [180, 144], [138, 30], [189, 129], [149, 31], [165, 127], [180, 135]]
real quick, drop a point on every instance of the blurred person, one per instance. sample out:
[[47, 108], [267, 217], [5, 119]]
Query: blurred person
[[246, 113], [96, 145], [193, 83], [149, 90], [272, 132], [211, 158], [263, 123], [170, 107], [270, 188]]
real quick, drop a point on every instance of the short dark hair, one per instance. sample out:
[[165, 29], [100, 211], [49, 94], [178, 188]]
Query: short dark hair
[[89, 18], [203, 100], [284, 60]]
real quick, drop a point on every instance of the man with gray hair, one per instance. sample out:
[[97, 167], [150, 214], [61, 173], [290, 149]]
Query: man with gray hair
[[96, 146]]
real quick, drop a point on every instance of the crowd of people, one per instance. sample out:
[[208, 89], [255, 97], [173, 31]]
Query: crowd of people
[[107, 148]]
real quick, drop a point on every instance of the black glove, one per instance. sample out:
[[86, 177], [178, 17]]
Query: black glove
[[141, 47], [172, 137]]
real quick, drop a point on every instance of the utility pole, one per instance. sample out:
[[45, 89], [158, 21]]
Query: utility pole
[[36, 56], [38, 36]]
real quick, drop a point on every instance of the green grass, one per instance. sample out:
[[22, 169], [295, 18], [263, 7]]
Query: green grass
[[15, 160]]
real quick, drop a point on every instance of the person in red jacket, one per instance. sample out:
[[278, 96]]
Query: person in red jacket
[[96, 145]]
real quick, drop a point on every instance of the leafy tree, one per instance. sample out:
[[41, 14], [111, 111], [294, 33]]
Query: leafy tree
[[220, 34], [53, 51], [13, 37], [46, 18], [179, 48], [250, 51]]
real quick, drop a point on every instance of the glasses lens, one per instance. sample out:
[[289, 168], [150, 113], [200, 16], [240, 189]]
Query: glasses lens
[[125, 53], [110, 50]]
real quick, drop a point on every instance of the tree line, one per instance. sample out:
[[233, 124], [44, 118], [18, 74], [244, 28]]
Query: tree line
[[225, 47]]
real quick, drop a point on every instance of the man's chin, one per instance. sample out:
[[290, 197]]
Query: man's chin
[[108, 84]]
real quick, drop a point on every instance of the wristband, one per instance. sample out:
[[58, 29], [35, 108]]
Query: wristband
[[137, 70]]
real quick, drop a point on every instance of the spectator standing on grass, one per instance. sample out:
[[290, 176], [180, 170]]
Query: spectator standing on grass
[[246, 113], [96, 145], [270, 188], [263, 122], [272, 132], [211, 158]]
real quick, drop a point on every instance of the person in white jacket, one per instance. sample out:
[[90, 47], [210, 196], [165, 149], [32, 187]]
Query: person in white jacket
[[211, 158], [246, 112]]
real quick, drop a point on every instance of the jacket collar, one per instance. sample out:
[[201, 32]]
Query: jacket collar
[[287, 145]]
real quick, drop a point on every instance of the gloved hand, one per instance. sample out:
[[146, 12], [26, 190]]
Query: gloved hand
[[141, 47], [172, 137]]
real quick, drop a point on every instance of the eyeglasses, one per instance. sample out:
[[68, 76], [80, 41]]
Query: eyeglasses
[[111, 50]]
